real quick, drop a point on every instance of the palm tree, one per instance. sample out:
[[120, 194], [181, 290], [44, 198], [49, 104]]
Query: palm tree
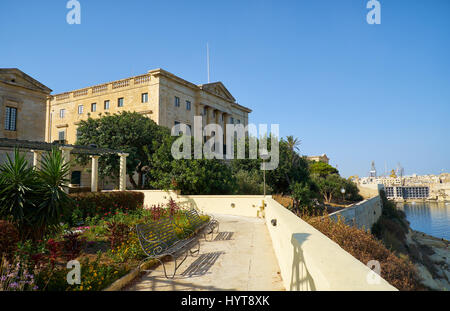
[[293, 143]]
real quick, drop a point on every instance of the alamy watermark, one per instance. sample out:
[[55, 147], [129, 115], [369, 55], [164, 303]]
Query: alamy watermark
[[374, 15], [74, 275], [209, 142], [74, 15], [374, 275]]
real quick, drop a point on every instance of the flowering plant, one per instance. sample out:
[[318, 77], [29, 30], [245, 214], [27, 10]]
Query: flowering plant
[[14, 277]]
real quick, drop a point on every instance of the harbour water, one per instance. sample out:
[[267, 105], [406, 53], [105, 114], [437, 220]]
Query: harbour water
[[429, 217]]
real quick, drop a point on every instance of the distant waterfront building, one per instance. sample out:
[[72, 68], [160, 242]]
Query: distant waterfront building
[[433, 187], [322, 158], [373, 170]]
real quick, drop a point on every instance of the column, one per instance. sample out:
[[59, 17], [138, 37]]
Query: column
[[66, 158], [123, 171], [94, 173], [37, 156], [224, 126]]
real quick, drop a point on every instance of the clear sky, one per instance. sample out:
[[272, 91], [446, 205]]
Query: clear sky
[[354, 91]]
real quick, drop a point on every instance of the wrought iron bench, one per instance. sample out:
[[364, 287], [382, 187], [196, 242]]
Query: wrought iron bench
[[159, 239], [201, 225]]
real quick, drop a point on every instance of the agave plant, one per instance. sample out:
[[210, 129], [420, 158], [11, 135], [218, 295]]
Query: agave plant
[[19, 186], [34, 200], [53, 200]]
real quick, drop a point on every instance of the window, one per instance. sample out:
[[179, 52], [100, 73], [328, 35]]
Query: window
[[177, 122], [76, 178], [120, 102], [204, 111], [238, 121], [231, 120], [10, 118], [144, 98], [78, 134], [188, 105], [93, 107], [80, 109], [61, 135], [62, 113], [106, 104], [177, 101]]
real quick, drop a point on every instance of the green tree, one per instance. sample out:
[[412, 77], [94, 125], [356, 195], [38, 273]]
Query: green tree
[[190, 176], [129, 132], [292, 168], [322, 169], [305, 197], [329, 186], [250, 182]]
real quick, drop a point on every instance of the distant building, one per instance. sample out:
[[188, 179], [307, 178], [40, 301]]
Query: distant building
[[322, 158], [373, 170], [433, 187]]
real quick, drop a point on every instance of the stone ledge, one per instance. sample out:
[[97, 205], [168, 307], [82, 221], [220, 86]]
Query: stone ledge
[[130, 276]]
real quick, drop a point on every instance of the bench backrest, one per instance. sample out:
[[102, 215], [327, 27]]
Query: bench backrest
[[156, 237], [194, 217]]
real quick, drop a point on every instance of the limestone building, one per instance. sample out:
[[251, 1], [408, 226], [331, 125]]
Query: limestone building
[[159, 95], [322, 158], [23, 102]]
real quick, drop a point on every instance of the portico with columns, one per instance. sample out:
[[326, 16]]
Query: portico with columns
[[68, 152]]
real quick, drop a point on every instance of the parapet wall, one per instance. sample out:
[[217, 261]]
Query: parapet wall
[[309, 260], [239, 205], [362, 214]]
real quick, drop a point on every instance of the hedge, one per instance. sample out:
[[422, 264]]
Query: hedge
[[102, 204]]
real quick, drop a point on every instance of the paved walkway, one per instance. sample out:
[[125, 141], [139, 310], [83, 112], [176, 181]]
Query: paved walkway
[[240, 258]]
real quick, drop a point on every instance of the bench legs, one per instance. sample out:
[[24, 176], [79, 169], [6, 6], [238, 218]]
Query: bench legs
[[212, 228], [175, 260], [197, 251]]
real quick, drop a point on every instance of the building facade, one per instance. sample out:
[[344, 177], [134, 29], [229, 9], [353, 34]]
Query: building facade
[[322, 158], [159, 95], [23, 102]]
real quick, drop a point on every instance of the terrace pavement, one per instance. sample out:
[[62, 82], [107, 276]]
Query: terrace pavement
[[240, 258]]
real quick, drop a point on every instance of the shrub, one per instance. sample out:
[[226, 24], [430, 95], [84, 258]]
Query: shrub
[[72, 245], [103, 204], [117, 233], [95, 276], [126, 250], [362, 245], [392, 227], [250, 182], [9, 237]]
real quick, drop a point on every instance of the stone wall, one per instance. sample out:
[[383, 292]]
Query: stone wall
[[362, 214]]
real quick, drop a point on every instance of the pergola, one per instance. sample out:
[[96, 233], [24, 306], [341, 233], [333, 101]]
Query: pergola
[[38, 147]]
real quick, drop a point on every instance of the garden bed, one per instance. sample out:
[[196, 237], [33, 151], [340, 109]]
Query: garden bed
[[105, 245]]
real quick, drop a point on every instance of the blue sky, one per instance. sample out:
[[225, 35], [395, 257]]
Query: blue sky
[[354, 91]]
